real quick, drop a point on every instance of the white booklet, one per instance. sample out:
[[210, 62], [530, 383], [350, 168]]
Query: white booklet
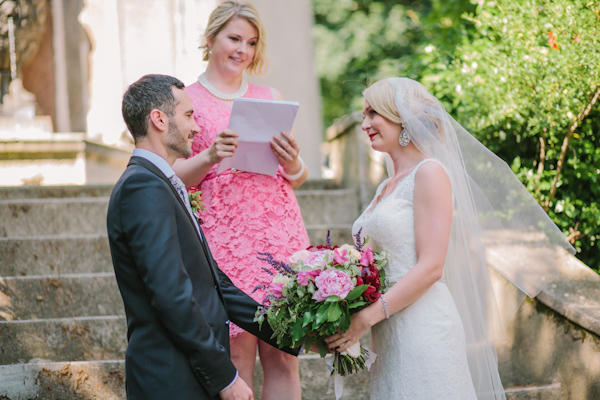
[[257, 121]]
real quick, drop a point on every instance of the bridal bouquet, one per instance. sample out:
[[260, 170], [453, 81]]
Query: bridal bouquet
[[313, 294]]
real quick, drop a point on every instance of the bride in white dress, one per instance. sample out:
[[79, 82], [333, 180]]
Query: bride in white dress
[[434, 330]]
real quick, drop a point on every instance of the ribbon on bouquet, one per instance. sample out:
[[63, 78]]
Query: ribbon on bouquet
[[336, 381]]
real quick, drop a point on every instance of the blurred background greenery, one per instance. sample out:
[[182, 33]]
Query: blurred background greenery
[[521, 75]]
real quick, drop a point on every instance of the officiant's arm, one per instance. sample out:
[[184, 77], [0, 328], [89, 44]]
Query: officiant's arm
[[433, 217], [288, 153], [194, 169]]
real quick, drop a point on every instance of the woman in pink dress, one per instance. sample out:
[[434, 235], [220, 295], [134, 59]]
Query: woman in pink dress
[[246, 213]]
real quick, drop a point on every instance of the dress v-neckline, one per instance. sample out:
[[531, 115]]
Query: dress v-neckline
[[372, 206]]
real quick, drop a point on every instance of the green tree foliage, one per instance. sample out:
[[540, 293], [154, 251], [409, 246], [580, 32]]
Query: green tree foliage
[[525, 83], [521, 75]]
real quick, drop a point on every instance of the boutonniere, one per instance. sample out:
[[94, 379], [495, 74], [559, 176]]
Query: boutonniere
[[196, 202]]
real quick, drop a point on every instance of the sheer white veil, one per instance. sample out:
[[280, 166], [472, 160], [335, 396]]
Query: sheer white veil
[[489, 203]]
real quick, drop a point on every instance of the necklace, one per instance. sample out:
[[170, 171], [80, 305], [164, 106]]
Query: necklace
[[220, 95]]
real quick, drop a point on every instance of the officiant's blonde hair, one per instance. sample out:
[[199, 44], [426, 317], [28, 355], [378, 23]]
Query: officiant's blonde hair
[[225, 12]]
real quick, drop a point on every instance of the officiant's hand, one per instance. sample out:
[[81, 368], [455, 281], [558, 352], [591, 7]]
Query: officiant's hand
[[342, 341], [287, 150], [224, 146]]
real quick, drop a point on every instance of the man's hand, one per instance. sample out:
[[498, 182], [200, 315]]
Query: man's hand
[[224, 146], [238, 391]]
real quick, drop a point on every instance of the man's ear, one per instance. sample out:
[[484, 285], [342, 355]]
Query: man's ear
[[159, 120]]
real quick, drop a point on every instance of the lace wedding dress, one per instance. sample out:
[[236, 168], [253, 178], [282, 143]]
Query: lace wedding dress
[[421, 350]]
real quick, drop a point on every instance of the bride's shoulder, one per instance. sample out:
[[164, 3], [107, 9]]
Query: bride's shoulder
[[430, 168], [431, 175]]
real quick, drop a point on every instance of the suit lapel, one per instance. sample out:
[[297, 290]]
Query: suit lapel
[[154, 169]]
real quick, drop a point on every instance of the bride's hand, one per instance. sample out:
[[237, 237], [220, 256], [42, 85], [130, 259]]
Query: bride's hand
[[287, 150], [342, 341]]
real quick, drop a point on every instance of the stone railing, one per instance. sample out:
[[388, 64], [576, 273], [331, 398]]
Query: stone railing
[[553, 339]]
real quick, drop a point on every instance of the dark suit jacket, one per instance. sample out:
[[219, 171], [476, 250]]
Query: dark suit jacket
[[177, 302]]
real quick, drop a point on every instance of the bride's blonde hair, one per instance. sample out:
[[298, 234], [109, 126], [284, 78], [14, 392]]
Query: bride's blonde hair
[[381, 97]]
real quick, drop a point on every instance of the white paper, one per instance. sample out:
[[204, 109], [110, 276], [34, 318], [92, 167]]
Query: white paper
[[257, 121]]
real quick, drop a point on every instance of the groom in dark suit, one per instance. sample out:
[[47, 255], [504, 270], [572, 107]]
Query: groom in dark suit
[[177, 301]]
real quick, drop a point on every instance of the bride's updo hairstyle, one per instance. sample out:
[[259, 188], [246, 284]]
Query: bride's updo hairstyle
[[389, 97], [380, 97], [225, 12]]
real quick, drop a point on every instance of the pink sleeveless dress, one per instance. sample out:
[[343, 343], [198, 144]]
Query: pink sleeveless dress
[[246, 213]]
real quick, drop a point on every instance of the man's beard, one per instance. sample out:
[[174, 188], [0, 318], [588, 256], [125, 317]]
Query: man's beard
[[176, 142]]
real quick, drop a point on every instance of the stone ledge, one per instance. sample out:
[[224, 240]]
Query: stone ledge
[[576, 294]]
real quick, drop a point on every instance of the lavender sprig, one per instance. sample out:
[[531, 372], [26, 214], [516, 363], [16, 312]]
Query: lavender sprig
[[358, 242], [328, 238], [279, 266], [260, 287]]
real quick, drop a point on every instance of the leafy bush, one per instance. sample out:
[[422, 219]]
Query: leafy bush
[[520, 75]]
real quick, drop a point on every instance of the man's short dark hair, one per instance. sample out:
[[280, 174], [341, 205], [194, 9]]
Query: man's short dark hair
[[148, 93]]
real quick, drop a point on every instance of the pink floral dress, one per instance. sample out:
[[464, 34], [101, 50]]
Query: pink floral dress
[[246, 213]]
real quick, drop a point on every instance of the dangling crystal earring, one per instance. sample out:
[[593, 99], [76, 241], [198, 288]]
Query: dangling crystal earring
[[209, 52], [404, 139]]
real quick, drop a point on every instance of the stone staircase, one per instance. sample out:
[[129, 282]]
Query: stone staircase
[[62, 323]]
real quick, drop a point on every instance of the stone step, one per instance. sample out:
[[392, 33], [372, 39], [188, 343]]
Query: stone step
[[87, 215], [38, 192], [83, 380], [59, 296], [52, 192], [41, 255], [328, 207], [60, 216], [73, 339], [90, 253], [543, 392], [93, 380]]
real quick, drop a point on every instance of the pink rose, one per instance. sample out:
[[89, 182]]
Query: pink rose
[[276, 288], [332, 282], [367, 258], [340, 256], [299, 255], [304, 276], [319, 258]]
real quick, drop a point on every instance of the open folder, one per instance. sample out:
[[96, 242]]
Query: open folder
[[257, 121]]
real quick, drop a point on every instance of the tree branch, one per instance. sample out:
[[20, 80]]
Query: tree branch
[[563, 150]]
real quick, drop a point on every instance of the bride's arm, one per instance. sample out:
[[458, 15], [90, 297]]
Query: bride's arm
[[433, 217]]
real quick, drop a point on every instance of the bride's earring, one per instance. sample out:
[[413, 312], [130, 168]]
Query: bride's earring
[[209, 52], [404, 139]]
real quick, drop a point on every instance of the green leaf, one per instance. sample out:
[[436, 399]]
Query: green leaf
[[321, 315], [323, 350], [357, 304], [308, 317], [356, 292], [298, 332], [344, 322], [332, 299], [334, 312]]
